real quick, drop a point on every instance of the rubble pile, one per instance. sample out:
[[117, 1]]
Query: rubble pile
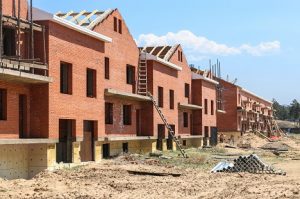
[[250, 164]]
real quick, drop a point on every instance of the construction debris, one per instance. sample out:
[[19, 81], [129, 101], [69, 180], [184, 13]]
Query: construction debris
[[250, 164]]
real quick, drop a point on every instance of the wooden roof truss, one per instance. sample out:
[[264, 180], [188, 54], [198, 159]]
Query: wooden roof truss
[[85, 18]]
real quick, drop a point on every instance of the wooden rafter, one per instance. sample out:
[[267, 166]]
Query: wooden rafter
[[100, 18], [88, 17], [153, 49], [67, 14], [75, 18], [158, 54]]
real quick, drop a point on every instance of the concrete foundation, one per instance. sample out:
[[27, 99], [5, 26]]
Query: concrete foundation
[[116, 147], [231, 137], [25, 161], [191, 142]]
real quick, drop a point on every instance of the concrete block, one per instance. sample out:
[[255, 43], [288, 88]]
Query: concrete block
[[76, 152]]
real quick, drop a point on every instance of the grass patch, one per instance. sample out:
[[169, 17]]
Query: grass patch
[[198, 159]]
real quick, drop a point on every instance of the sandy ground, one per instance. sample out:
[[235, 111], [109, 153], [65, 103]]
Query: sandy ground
[[110, 178]]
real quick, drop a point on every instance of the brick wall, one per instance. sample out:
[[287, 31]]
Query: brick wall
[[10, 128], [11, 10], [82, 52], [170, 79], [233, 97], [228, 121], [39, 114], [204, 90], [118, 127], [121, 51]]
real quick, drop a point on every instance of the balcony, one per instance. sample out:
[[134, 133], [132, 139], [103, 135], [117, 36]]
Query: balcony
[[19, 60], [23, 71]]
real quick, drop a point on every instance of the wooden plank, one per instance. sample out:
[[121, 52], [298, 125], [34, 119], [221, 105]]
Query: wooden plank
[[16, 64], [152, 173], [23, 24]]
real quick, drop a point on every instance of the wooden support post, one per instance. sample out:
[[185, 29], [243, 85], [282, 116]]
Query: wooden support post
[[31, 31], [19, 28], [14, 8], [44, 45], [1, 29]]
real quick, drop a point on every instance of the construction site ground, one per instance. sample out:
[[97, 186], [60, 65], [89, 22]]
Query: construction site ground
[[111, 179]]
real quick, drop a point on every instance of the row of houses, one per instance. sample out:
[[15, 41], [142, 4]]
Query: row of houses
[[74, 88]]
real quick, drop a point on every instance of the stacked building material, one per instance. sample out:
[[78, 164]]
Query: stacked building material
[[251, 164]]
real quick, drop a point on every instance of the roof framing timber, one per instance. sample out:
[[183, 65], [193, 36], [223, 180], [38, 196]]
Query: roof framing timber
[[88, 17], [23, 23], [76, 17], [158, 54]]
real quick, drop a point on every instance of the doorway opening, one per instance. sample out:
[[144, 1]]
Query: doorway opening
[[9, 41], [125, 147], [64, 147], [105, 151], [22, 116], [170, 138], [160, 136], [88, 144]]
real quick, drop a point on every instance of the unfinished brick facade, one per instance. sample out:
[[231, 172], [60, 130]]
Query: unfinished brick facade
[[79, 100], [245, 112]]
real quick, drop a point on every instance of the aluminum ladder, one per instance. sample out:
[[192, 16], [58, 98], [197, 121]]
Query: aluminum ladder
[[170, 130]]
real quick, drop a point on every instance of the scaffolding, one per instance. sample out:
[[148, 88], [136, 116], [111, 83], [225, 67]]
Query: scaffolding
[[215, 74], [12, 29]]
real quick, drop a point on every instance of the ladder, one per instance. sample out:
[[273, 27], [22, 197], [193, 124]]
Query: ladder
[[170, 130], [142, 74]]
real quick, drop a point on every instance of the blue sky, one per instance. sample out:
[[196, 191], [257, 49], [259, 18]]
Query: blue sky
[[257, 42]]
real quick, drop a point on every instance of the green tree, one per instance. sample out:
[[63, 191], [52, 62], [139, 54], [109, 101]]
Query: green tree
[[294, 110], [281, 111]]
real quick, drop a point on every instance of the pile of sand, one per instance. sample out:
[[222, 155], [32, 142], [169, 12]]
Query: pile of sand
[[253, 140]]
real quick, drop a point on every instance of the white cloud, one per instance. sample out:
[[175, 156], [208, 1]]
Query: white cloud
[[199, 47]]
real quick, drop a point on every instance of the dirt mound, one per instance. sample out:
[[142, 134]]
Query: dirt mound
[[253, 140], [276, 146]]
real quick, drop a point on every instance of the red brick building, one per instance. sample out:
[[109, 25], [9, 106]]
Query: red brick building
[[73, 88], [205, 95], [245, 112], [169, 80], [22, 73]]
